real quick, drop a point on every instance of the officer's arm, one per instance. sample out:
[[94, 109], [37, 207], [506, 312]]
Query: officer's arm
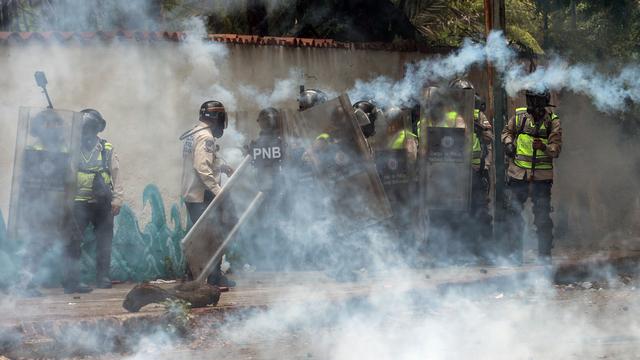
[[555, 139], [118, 191], [204, 163], [509, 131], [411, 147], [487, 132]]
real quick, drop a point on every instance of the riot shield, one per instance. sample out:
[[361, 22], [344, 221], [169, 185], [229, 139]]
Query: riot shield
[[342, 164], [44, 177], [395, 150], [267, 150], [445, 134], [222, 221]]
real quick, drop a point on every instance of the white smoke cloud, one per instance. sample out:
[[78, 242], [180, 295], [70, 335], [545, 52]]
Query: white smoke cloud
[[283, 91], [609, 92]]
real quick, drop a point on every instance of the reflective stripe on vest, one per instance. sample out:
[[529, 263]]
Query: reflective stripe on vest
[[88, 169], [323, 136], [397, 143], [526, 134], [450, 122]]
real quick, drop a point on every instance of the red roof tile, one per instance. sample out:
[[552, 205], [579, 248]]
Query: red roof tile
[[11, 38]]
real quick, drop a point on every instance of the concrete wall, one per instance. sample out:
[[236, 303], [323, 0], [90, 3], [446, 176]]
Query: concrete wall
[[150, 94]]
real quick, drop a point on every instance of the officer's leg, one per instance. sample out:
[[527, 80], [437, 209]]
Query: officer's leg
[[194, 210], [516, 195], [439, 236], [78, 224], [102, 219], [479, 231], [541, 198]]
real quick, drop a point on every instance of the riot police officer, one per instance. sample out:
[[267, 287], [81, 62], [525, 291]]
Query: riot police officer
[[99, 196], [202, 169], [532, 139]]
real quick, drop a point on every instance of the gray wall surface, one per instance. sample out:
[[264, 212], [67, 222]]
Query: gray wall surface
[[150, 93]]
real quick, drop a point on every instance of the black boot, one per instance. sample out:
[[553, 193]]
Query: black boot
[[103, 282], [220, 280]]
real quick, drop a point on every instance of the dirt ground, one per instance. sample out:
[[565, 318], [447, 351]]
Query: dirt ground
[[575, 321]]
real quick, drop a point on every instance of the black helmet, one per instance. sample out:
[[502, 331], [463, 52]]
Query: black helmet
[[538, 98], [268, 119], [480, 104], [368, 107], [461, 84], [310, 98], [366, 113], [213, 111], [93, 119]]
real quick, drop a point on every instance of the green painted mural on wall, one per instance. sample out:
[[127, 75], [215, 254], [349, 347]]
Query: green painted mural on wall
[[138, 254]]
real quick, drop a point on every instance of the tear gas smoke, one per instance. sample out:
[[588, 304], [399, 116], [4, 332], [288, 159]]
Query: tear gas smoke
[[159, 91], [609, 92]]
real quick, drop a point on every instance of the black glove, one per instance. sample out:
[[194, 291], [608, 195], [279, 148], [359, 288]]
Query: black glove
[[510, 150]]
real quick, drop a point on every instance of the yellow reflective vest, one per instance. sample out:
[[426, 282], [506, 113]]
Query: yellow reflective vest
[[397, 142], [449, 122], [525, 135], [89, 167]]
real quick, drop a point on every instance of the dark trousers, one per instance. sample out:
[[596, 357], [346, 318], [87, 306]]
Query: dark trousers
[[196, 210], [518, 192], [479, 231], [101, 217]]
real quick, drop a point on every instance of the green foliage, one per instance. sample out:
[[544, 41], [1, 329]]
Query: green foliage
[[524, 39], [595, 31], [447, 23], [179, 316]]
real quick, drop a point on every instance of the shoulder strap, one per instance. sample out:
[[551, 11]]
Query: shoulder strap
[[521, 116]]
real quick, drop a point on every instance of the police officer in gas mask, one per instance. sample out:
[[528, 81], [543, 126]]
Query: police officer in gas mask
[[99, 196], [202, 168]]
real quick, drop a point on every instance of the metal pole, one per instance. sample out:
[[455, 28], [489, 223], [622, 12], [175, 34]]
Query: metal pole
[[218, 254], [495, 19]]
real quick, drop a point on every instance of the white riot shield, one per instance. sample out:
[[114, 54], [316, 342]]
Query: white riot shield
[[343, 165], [445, 135], [44, 175]]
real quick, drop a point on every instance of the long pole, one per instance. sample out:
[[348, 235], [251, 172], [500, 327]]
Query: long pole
[[213, 261], [495, 19]]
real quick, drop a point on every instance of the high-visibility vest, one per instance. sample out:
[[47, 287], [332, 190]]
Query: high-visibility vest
[[397, 143], [525, 134], [449, 122], [87, 170]]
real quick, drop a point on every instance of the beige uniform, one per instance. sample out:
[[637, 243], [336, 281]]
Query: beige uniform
[[554, 146], [116, 181], [201, 167], [487, 138]]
